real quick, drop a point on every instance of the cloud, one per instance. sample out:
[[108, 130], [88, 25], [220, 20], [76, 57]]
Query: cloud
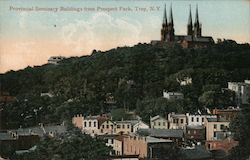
[[101, 31]]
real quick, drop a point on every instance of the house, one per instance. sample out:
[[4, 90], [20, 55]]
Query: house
[[225, 144], [145, 146], [5, 97], [41, 131], [195, 132], [215, 127], [177, 121], [77, 121], [173, 95], [107, 127], [149, 147], [158, 122], [55, 60], [123, 127], [118, 145], [90, 125], [185, 81], [139, 124], [242, 91], [228, 114], [197, 119]]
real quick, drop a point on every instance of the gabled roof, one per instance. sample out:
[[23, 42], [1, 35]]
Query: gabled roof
[[156, 117]]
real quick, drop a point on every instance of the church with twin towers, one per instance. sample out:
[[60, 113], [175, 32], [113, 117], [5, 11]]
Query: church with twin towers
[[193, 39]]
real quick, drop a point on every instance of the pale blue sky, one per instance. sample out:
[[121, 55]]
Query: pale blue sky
[[32, 36]]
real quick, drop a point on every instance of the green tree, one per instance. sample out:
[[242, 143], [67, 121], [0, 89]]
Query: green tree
[[72, 145]]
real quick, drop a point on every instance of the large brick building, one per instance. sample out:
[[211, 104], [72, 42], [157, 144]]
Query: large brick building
[[193, 39]]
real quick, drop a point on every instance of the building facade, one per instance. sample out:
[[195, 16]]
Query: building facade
[[177, 121], [193, 39], [172, 95], [242, 91], [215, 128], [158, 122]]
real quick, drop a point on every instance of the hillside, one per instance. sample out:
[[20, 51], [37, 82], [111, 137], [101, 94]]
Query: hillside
[[134, 76]]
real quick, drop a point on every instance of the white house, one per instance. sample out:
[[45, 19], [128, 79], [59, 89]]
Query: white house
[[185, 81], [90, 125], [139, 125], [55, 59], [242, 91], [197, 119], [173, 95], [158, 122]]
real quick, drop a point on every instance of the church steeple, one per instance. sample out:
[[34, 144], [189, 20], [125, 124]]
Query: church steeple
[[190, 23], [197, 15], [171, 21], [197, 25], [165, 21], [171, 36], [164, 29]]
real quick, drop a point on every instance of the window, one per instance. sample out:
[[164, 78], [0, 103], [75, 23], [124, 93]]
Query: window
[[159, 123], [85, 124], [181, 120], [214, 134], [111, 126], [89, 124], [189, 132], [192, 119], [177, 120], [102, 126], [94, 124], [154, 123], [128, 126], [118, 126], [197, 119], [123, 126], [215, 126], [163, 123], [107, 126], [202, 119], [221, 126]]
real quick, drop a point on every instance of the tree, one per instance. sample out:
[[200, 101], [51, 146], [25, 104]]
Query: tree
[[72, 145], [240, 126]]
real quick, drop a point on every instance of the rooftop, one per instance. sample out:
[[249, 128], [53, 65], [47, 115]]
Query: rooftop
[[163, 133], [150, 139]]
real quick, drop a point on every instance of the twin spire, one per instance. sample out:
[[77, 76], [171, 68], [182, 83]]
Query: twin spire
[[165, 21], [171, 21], [168, 31], [196, 16]]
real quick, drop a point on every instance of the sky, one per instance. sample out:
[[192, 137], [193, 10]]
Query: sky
[[31, 31]]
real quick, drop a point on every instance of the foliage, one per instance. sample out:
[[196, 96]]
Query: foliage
[[135, 76], [72, 145], [240, 126]]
